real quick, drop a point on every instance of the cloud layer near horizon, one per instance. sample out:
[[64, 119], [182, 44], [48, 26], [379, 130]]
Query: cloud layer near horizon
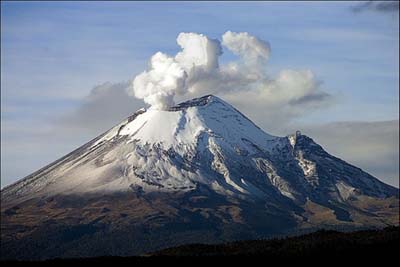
[[104, 106], [372, 146]]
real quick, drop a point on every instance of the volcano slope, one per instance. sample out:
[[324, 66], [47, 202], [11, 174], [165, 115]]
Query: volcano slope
[[199, 172]]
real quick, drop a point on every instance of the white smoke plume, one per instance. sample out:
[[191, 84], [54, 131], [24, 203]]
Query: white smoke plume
[[195, 71], [198, 51], [168, 76], [159, 85], [250, 48]]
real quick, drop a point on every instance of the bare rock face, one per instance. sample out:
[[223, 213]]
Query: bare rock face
[[197, 172]]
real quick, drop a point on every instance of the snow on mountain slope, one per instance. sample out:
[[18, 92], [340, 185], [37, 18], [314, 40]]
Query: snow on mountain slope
[[198, 172], [181, 125], [203, 141]]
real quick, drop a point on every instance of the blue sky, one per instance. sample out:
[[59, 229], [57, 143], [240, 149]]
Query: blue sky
[[54, 53]]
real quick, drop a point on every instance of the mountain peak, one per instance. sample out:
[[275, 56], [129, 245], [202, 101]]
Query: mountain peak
[[201, 163], [189, 121], [200, 101], [202, 141]]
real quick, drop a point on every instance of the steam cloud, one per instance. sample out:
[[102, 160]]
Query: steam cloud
[[251, 49], [159, 85], [195, 71]]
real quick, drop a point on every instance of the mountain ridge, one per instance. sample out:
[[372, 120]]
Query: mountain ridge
[[197, 172]]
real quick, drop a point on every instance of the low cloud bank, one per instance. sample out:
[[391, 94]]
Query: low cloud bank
[[372, 146], [105, 106]]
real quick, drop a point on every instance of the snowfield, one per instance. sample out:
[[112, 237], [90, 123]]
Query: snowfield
[[202, 141]]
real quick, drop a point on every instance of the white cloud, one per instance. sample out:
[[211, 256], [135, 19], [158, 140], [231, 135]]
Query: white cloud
[[198, 51], [170, 76], [248, 47], [159, 85], [195, 71]]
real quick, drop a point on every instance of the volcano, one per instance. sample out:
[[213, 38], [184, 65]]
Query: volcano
[[198, 172]]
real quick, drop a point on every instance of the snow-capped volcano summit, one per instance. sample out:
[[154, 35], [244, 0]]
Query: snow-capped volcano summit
[[160, 150], [202, 164], [202, 141], [181, 127]]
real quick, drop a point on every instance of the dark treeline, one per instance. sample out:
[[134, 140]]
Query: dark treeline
[[369, 246]]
